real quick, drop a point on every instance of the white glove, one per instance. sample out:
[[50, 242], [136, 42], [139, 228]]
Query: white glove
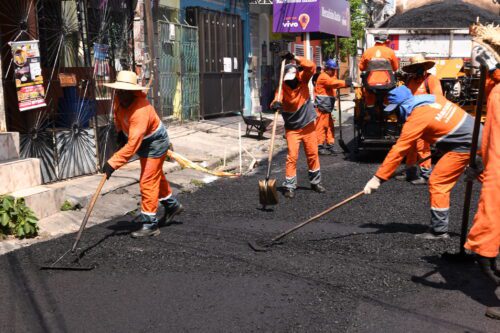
[[372, 185]]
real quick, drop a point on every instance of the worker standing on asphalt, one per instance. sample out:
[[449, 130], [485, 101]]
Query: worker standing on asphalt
[[299, 116], [325, 92], [484, 236], [420, 82], [377, 60], [437, 121], [137, 122]]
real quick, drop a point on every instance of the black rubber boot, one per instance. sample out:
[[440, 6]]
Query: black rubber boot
[[318, 188], [289, 193], [486, 266], [171, 213], [147, 230]]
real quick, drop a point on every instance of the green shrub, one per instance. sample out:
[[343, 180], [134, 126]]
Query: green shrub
[[16, 218]]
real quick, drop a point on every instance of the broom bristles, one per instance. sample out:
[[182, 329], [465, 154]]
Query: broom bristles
[[185, 163]]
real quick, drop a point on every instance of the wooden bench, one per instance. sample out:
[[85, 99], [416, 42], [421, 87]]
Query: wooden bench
[[256, 123]]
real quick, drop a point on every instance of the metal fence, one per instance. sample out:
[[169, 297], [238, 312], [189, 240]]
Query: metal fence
[[179, 71]]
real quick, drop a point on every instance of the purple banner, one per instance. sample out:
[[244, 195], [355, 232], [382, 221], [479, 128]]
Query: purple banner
[[328, 16]]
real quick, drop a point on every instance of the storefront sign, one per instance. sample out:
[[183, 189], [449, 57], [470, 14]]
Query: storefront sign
[[331, 17], [28, 75]]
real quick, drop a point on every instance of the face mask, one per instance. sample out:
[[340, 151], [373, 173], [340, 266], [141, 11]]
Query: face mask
[[292, 83]]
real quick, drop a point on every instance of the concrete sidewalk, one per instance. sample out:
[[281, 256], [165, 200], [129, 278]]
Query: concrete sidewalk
[[208, 143]]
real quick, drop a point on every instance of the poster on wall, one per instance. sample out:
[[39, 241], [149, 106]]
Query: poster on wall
[[28, 75]]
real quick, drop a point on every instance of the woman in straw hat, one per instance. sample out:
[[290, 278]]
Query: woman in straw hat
[[484, 236], [420, 82], [137, 121]]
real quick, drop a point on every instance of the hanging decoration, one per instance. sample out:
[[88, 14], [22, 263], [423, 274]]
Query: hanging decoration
[[28, 75]]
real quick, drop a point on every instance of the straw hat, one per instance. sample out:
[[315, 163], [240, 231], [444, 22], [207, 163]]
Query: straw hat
[[418, 61], [126, 80], [488, 36]]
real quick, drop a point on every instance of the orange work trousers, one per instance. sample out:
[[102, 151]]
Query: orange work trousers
[[307, 136], [444, 177], [324, 128], [484, 236], [442, 180], [153, 183], [420, 150]]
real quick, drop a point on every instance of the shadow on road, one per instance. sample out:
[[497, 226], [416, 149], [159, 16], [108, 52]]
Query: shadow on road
[[464, 277]]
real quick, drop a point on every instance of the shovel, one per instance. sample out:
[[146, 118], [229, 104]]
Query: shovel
[[54, 265], [267, 188], [265, 246]]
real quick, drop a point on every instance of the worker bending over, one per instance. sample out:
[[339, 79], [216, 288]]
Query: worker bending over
[[420, 82], [437, 121], [325, 92], [484, 236], [299, 116], [145, 136]]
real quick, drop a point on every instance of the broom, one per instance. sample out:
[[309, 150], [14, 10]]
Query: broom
[[185, 163]]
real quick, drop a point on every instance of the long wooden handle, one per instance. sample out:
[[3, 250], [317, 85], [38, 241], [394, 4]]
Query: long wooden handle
[[89, 210], [472, 161], [298, 226], [275, 122], [357, 195]]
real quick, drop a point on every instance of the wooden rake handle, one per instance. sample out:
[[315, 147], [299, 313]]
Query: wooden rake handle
[[298, 226], [275, 122], [89, 211]]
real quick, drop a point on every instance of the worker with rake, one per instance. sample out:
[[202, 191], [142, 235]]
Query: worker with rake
[[484, 236], [437, 121], [324, 98], [299, 116], [144, 134], [420, 82]]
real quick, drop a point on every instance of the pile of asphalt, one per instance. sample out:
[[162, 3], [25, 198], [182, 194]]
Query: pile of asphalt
[[359, 269], [443, 14]]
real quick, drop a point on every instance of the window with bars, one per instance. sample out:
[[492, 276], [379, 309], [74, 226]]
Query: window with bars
[[317, 56], [299, 50]]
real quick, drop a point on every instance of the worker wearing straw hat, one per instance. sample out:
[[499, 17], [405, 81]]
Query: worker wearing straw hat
[[484, 236], [420, 82], [147, 137]]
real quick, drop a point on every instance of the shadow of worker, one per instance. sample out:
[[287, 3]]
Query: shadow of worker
[[464, 277]]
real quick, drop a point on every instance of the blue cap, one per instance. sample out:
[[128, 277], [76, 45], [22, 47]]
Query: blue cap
[[331, 64], [397, 96]]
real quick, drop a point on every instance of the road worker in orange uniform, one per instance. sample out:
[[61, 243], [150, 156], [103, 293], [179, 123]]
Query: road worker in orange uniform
[[145, 135], [484, 236], [377, 57], [324, 98], [437, 121], [299, 116], [420, 82]]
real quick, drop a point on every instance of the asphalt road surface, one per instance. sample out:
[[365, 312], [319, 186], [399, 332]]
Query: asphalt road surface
[[358, 269]]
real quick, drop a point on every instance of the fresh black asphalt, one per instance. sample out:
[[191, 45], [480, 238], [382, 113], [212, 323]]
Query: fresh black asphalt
[[358, 269]]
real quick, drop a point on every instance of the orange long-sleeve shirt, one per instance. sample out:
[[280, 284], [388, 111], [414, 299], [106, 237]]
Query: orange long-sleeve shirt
[[138, 121], [442, 123], [324, 91], [418, 87], [378, 51], [298, 110]]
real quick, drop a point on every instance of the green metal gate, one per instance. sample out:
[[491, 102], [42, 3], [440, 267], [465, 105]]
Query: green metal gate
[[179, 71]]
